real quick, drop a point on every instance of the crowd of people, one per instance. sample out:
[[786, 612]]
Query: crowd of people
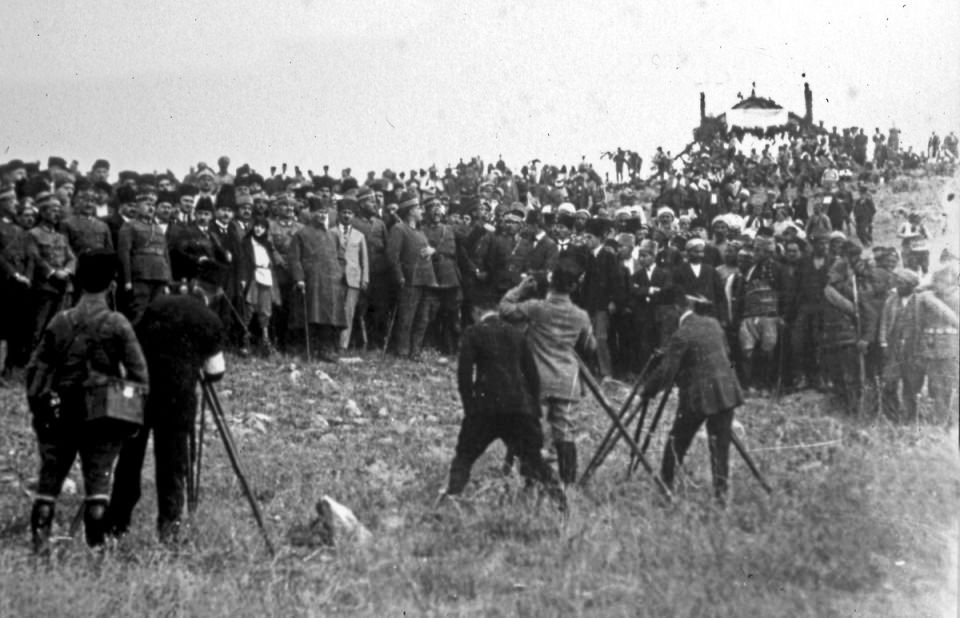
[[772, 247]]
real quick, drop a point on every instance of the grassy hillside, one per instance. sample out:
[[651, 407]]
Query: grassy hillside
[[863, 519]]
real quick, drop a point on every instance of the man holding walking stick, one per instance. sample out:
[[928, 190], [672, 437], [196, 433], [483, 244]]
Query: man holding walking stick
[[709, 391]]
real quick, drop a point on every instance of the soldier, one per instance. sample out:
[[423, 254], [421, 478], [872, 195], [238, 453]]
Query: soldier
[[87, 337], [849, 321], [411, 258], [899, 345], [55, 264], [144, 259], [763, 296], [449, 296], [282, 229], [16, 275], [863, 213], [937, 326]]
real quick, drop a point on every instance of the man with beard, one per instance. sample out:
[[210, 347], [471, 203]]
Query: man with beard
[[144, 260], [16, 274], [181, 338], [55, 264], [318, 273], [698, 279], [441, 237], [411, 258]]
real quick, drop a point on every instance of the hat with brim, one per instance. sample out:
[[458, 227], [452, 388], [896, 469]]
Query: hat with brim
[[906, 277]]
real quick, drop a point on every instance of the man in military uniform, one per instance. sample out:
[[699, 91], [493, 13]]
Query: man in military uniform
[[89, 336], [441, 237], [378, 298], [411, 258], [282, 229], [16, 275], [55, 264], [144, 260], [83, 230]]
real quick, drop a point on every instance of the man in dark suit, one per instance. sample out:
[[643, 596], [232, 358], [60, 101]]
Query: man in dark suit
[[698, 279], [543, 256], [697, 360], [601, 291], [498, 384], [655, 318]]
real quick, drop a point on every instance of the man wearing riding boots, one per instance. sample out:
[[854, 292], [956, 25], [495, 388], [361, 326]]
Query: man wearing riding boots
[[88, 337]]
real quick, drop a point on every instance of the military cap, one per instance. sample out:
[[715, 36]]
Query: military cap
[[101, 163], [905, 276]]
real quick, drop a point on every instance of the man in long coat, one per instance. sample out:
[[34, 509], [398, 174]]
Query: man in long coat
[[318, 273], [697, 360]]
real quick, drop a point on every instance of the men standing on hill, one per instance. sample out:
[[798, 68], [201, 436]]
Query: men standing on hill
[[55, 264], [938, 328], [411, 258]]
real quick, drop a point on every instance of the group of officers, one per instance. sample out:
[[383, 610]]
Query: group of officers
[[323, 263]]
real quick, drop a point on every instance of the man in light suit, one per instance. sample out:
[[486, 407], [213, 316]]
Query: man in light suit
[[356, 264], [697, 360]]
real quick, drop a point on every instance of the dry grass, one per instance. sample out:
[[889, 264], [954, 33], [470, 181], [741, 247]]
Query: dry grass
[[866, 525]]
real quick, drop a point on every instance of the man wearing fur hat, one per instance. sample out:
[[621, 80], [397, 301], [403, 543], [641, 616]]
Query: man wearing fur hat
[[83, 230], [411, 258], [318, 272]]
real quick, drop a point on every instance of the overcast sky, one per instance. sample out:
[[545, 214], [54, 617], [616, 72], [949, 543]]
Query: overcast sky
[[367, 85]]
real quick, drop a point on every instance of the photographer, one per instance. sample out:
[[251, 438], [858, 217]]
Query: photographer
[[181, 336], [88, 338]]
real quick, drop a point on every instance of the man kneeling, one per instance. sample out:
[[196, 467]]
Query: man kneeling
[[497, 381]]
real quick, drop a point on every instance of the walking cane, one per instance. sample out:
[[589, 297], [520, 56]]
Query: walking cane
[[216, 412], [386, 339], [591, 383], [749, 461], [306, 324]]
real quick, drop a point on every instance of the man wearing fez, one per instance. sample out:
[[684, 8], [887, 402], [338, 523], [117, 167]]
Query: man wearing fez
[[193, 244], [181, 338], [144, 259], [55, 264], [411, 258], [316, 268], [356, 265], [697, 360], [16, 275]]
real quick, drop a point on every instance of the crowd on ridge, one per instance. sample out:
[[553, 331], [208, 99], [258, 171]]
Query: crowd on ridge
[[773, 242]]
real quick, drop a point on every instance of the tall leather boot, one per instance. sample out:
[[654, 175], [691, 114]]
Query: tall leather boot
[[41, 524], [95, 522], [567, 461]]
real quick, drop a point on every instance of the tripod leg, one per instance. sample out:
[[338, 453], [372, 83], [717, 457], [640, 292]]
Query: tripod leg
[[653, 427], [750, 463], [591, 383], [216, 412], [191, 471], [197, 464]]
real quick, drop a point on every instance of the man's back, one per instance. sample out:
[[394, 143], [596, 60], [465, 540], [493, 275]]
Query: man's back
[[495, 372]]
